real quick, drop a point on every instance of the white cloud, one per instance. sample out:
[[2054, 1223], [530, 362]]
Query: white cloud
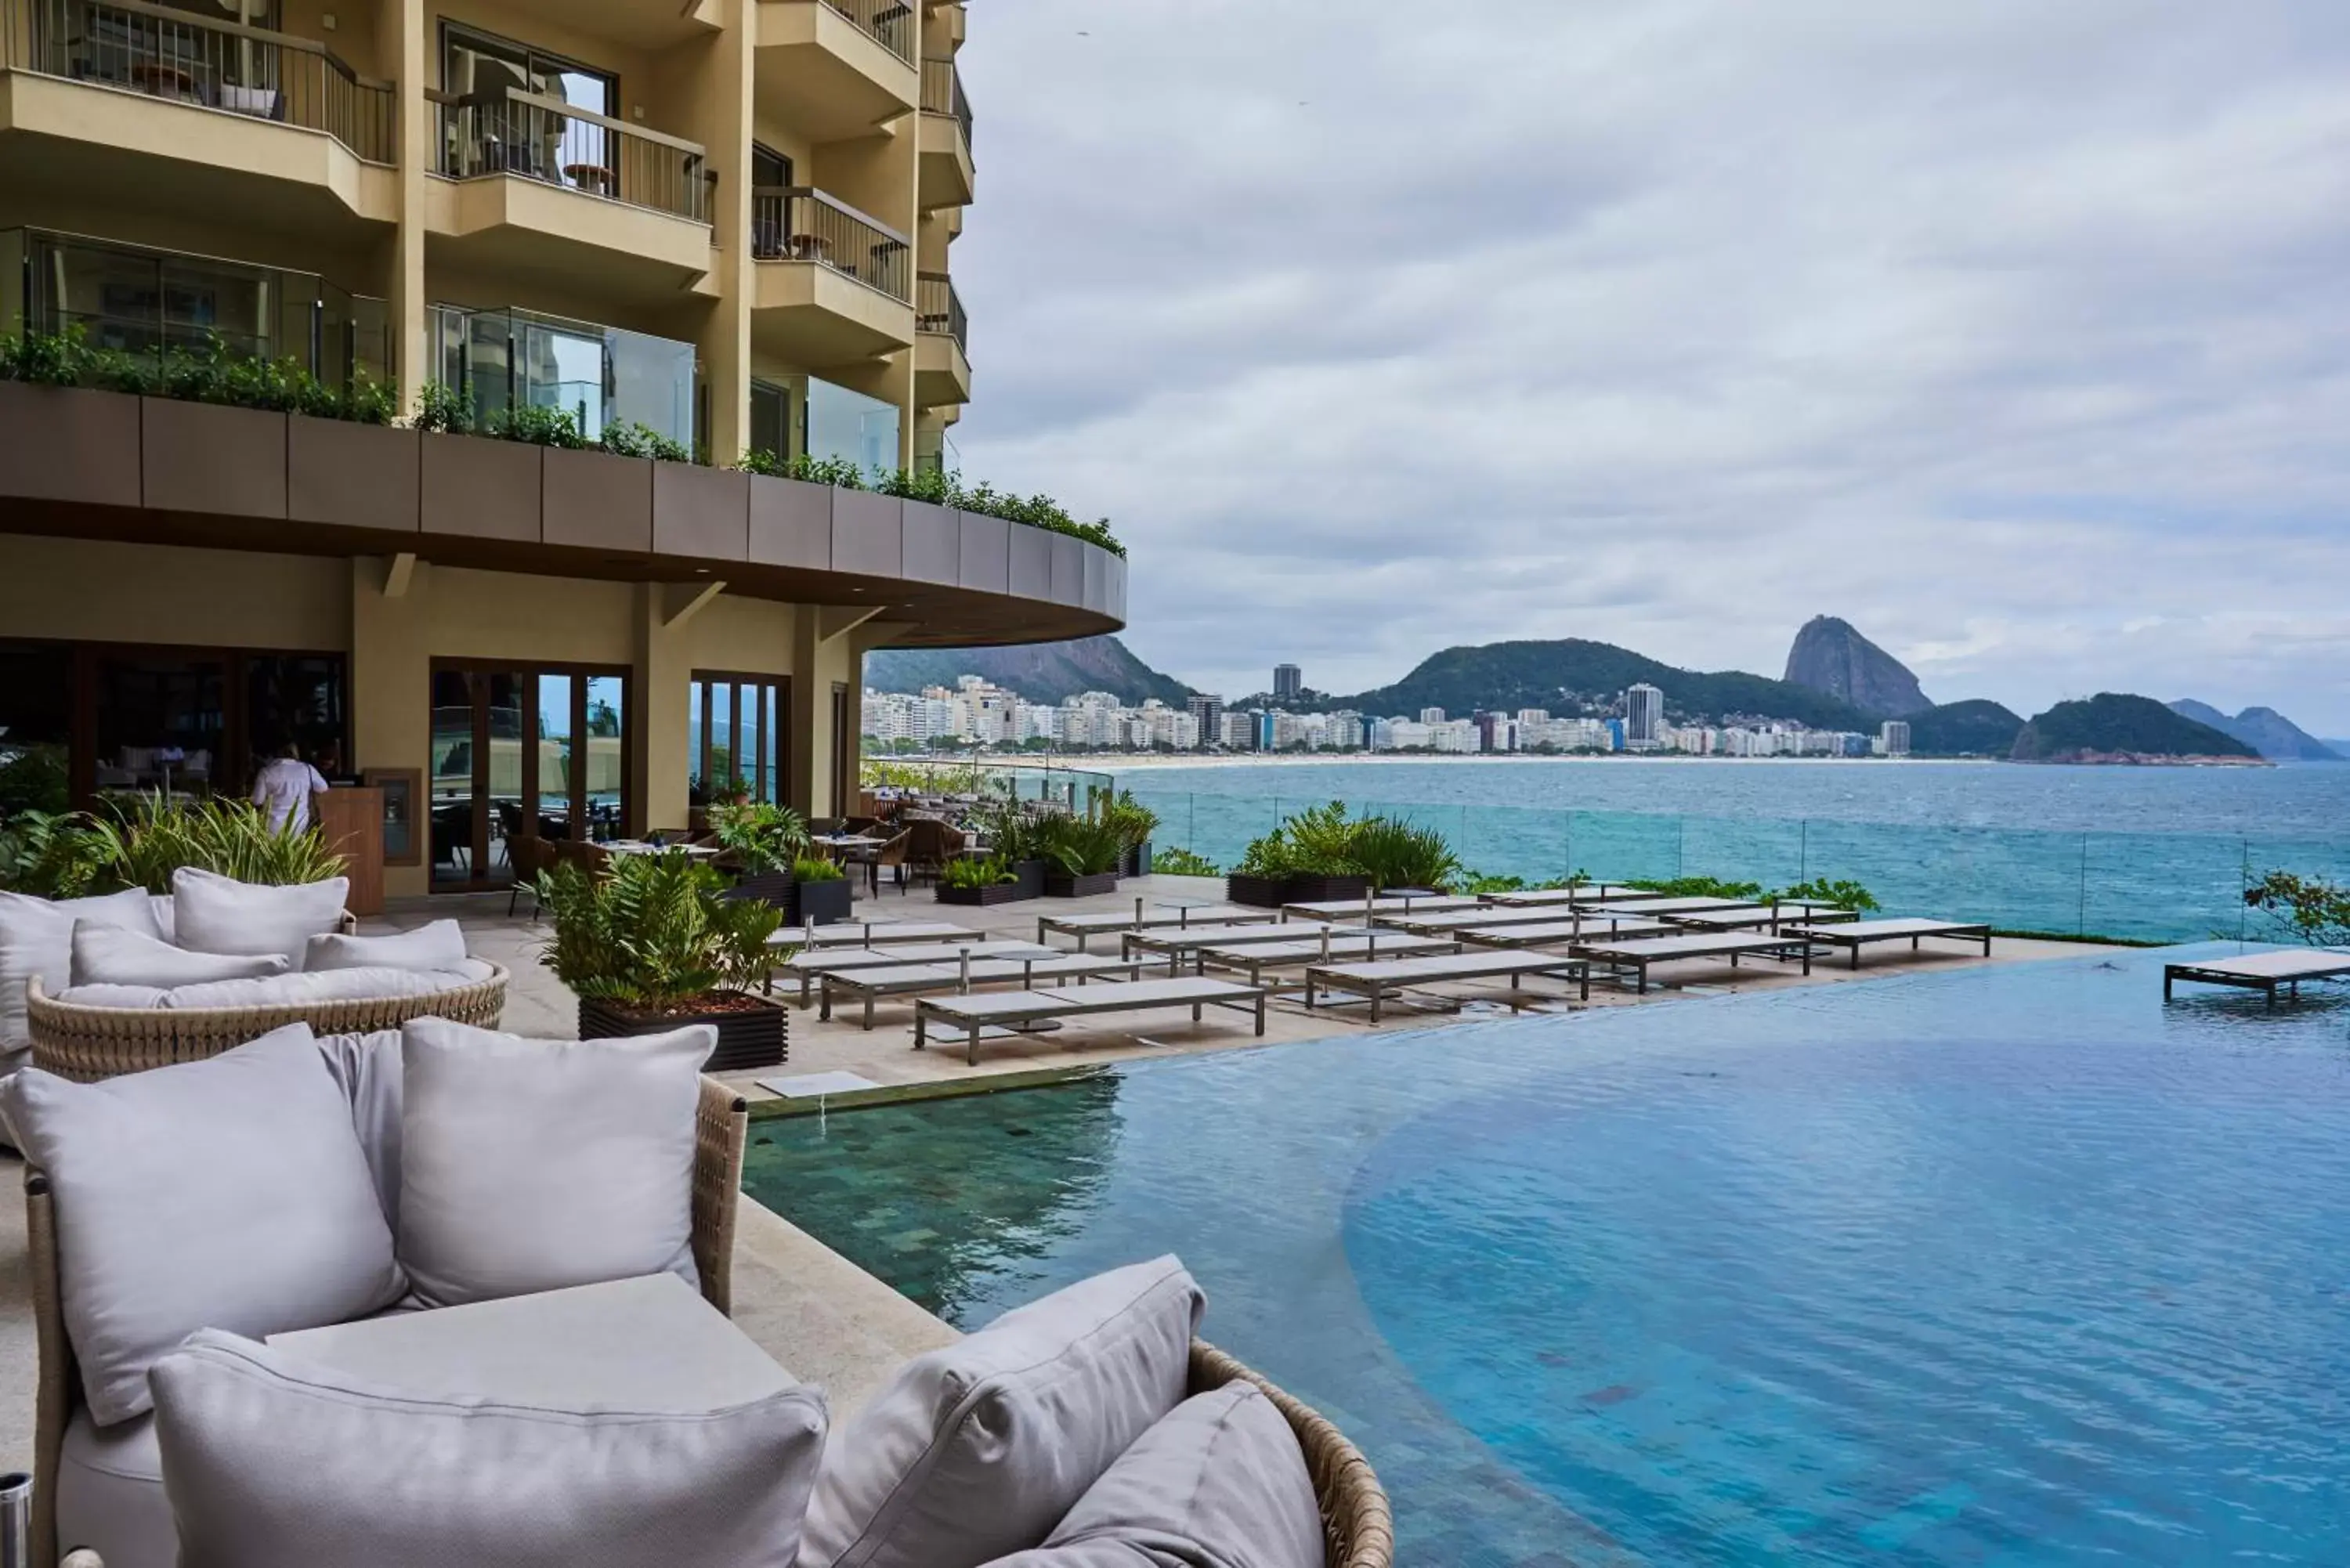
[[2014, 334]]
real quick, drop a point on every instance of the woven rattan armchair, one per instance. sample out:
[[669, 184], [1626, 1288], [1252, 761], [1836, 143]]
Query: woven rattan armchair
[[721, 1123], [1358, 1528], [87, 1044]]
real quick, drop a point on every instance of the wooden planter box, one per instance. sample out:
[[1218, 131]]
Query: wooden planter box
[[1272, 892], [983, 897], [750, 1037], [1060, 885]]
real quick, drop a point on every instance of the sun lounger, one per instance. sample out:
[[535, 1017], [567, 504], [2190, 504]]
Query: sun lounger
[[870, 933], [872, 983], [1255, 960], [808, 966], [1856, 934], [1015, 1009], [1555, 933], [1755, 916], [2286, 966], [1586, 893], [1390, 977], [1483, 916], [1618, 956], [1176, 944], [1086, 926], [1354, 909], [1649, 905]]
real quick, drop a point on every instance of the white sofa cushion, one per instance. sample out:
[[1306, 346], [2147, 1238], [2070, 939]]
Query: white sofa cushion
[[273, 1463], [1219, 1480], [216, 914], [36, 939], [530, 1165], [367, 1069], [230, 1192], [109, 955], [111, 1493], [437, 945], [978, 1448], [301, 987]]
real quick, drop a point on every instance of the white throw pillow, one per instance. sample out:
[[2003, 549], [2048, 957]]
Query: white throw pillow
[[36, 939], [227, 1193], [978, 1448], [531, 1165], [216, 914], [440, 944], [109, 955], [271, 1462], [1219, 1480]]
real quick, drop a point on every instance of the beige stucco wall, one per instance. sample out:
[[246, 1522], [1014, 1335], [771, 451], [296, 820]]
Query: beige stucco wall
[[96, 591]]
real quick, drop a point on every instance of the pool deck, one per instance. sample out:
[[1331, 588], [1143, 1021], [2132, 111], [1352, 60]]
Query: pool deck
[[817, 1314]]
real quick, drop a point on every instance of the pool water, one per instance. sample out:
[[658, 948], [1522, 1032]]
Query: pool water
[[2006, 1265]]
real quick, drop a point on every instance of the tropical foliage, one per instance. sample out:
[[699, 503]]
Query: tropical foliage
[[1324, 841], [653, 932], [1078, 845], [816, 868], [938, 486], [34, 779], [70, 855], [2302, 909], [1133, 821], [763, 836], [1183, 863], [211, 372], [975, 871], [1843, 895], [1697, 888]]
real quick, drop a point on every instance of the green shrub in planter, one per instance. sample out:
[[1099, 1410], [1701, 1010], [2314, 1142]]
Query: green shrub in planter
[[654, 934], [763, 836]]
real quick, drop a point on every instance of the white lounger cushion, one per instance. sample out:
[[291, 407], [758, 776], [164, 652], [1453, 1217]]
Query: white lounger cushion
[[36, 939], [273, 1463], [531, 1165], [978, 1448], [109, 955], [230, 1192], [1220, 1480], [216, 914], [440, 944]]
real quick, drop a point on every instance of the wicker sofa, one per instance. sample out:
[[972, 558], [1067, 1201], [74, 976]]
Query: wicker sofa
[[721, 1123], [87, 1044]]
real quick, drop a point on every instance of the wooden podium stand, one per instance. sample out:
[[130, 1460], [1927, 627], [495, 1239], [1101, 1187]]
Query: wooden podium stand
[[351, 820]]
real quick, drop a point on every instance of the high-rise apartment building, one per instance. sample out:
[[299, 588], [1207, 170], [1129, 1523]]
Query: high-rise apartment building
[[1208, 713], [727, 222], [1644, 715], [1893, 738], [1288, 681]]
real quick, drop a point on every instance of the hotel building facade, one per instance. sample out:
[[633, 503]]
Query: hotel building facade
[[729, 222]]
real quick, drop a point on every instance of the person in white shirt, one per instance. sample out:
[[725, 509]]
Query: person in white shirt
[[284, 787]]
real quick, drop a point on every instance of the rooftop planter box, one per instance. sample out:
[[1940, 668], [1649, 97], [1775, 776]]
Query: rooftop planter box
[[352, 474], [1272, 892], [1028, 883], [751, 1029], [820, 903], [62, 443], [1061, 885], [1136, 862], [481, 488], [211, 457]]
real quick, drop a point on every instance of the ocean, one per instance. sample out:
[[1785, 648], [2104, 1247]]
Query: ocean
[[2146, 853]]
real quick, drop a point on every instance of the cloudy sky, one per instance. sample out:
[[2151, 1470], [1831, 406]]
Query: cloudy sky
[[2014, 332]]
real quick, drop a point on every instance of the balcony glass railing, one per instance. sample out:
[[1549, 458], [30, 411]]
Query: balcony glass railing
[[938, 308], [510, 131], [942, 94], [601, 375], [187, 57], [890, 21], [150, 302], [794, 223]]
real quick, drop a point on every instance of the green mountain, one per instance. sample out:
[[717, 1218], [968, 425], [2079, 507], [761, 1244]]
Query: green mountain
[[1975, 728], [1045, 673], [2115, 724], [1558, 675], [2264, 730]]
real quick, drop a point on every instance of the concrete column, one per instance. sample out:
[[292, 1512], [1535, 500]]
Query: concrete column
[[662, 670], [804, 773], [725, 342], [403, 43], [392, 687]]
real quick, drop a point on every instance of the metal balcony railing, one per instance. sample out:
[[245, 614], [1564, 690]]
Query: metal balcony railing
[[186, 57], [938, 308], [891, 21], [794, 223], [510, 131], [942, 94]]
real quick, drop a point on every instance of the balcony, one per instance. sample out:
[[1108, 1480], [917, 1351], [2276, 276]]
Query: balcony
[[945, 137], [942, 343], [837, 69], [833, 285], [97, 97], [535, 184]]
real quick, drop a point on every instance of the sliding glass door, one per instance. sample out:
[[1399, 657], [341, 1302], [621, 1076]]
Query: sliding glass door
[[521, 754]]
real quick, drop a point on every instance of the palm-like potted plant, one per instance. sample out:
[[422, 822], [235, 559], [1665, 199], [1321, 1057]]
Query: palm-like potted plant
[[1135, 823], [1309, 855], [653, 944], [760, 840], [979, 879], [821, 892], [1081, 856]]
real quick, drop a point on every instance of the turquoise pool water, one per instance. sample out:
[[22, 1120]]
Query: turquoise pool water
[[1999, 1266]]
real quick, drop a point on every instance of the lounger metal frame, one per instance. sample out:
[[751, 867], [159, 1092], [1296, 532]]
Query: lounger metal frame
[[1058, 1004], [1377, 989]]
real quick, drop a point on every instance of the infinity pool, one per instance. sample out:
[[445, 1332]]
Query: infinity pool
[[2007, 1265]]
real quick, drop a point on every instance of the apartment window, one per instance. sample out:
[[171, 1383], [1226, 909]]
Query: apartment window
[[771, 175], [599, 375], [479, 65], [490, 126], [771, 418], [797, 415], [734, 737]]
